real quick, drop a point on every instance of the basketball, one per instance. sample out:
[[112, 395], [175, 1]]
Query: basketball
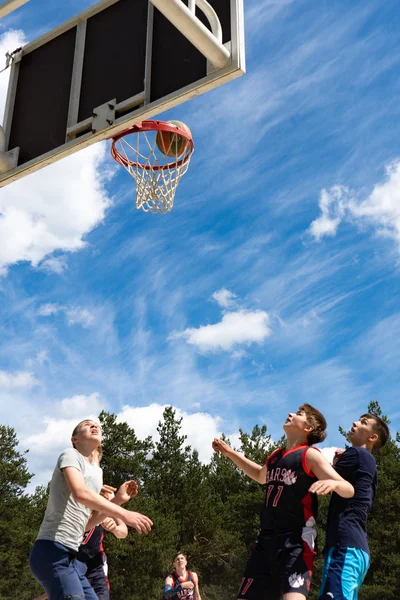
[[173, 144]]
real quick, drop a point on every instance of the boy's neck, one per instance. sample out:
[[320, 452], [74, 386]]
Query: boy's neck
[[181, 572], [88, 452], [295, 440], [366, 445]]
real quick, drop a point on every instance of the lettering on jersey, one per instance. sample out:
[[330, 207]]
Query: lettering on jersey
[[184, 593], [286, 476]]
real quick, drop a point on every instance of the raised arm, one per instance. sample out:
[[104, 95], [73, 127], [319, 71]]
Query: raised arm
[[252, 469], [83, 495], [329, 479], [126, 492]]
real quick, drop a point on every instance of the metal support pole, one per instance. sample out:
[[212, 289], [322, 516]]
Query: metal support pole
[[193, 29], [9, 5]]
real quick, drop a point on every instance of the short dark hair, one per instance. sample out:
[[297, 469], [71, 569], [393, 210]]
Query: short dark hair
[[317, 421], [380, 427], [178, 554]]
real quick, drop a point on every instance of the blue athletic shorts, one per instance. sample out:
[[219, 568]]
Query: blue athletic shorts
[[343, 574]]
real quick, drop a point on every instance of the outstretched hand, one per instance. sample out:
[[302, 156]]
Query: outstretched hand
[[221, 446], [337, 455], [140, 522], [126, 492], [323, 487]]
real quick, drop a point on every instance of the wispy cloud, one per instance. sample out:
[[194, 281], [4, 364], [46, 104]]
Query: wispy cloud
[[225, 298], [76, 315], [380, 210]]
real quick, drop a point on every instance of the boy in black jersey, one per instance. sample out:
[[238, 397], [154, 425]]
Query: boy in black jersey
[[282, 558], [346, 553]]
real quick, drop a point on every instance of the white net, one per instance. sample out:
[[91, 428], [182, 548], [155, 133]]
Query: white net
[[157, 174]]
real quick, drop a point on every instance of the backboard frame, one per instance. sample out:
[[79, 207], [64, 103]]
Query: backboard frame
[[111, 118]]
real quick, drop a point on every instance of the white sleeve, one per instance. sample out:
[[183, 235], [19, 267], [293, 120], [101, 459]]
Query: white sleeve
[[70, 458]]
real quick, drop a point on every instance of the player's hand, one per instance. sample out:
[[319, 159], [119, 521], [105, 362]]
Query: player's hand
[[106, 490], [140, 522], [187, 585], [126, 492], [221, 446], [323, 487], [109, 524], [337, 455]]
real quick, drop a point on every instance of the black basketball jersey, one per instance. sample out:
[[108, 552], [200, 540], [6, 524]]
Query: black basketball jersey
[[185, 594], [289, 507], [91, 551]]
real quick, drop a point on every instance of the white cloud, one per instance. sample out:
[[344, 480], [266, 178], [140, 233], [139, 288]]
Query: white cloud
[[241, 327], [54, 208], [200, 427], [46, 310], [54, 264], [332, 204], [225, 298], [80, 316], [54, 431], [81, 405], [380, 210], [75, 314], [17, 381], [329, 453]]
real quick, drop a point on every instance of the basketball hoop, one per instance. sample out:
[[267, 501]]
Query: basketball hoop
[[157, 155]]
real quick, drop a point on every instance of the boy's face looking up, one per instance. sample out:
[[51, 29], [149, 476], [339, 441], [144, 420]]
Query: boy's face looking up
[[297, 422], [362, 432]]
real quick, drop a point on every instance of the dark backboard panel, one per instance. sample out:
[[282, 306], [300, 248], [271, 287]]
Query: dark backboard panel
[[175, 62], [122, 49], [115, 55], [42, 99]]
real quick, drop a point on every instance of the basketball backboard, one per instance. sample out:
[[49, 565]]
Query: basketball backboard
[[115, 64]]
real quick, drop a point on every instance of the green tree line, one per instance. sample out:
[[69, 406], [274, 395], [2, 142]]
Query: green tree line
[[209, 511]]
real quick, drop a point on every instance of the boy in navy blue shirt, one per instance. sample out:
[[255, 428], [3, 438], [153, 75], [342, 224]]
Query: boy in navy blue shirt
[[346, 553]]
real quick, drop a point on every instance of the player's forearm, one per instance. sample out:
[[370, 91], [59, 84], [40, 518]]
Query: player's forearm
[[121, 531], [344, 489], [95, 519], [98, 503], [252, 469]]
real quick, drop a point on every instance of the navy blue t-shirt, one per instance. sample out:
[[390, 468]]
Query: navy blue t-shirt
[[347, 517]]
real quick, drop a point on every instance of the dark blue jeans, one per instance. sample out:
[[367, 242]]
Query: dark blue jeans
[[53, 565]]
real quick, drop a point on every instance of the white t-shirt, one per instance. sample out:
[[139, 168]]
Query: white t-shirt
[[65, 519]]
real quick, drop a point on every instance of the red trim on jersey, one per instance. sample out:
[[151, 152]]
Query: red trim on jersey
[[286, 452], [309, 557], [304, 462], [307, 507]]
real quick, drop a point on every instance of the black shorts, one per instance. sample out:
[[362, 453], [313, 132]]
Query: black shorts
[[277, 566], [99, 582]]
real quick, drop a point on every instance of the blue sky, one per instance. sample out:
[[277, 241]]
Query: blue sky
[[274, 280]]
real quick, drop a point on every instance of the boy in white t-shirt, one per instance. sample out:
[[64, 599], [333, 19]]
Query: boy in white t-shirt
[[74, 494]]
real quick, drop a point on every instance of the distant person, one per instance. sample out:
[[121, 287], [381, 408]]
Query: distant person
[[182, 583], [74, 493], [346, 553], [282, 559]]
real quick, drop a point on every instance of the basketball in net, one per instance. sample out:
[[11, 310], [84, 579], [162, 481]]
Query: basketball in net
[[173, 144], [157, 155]]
